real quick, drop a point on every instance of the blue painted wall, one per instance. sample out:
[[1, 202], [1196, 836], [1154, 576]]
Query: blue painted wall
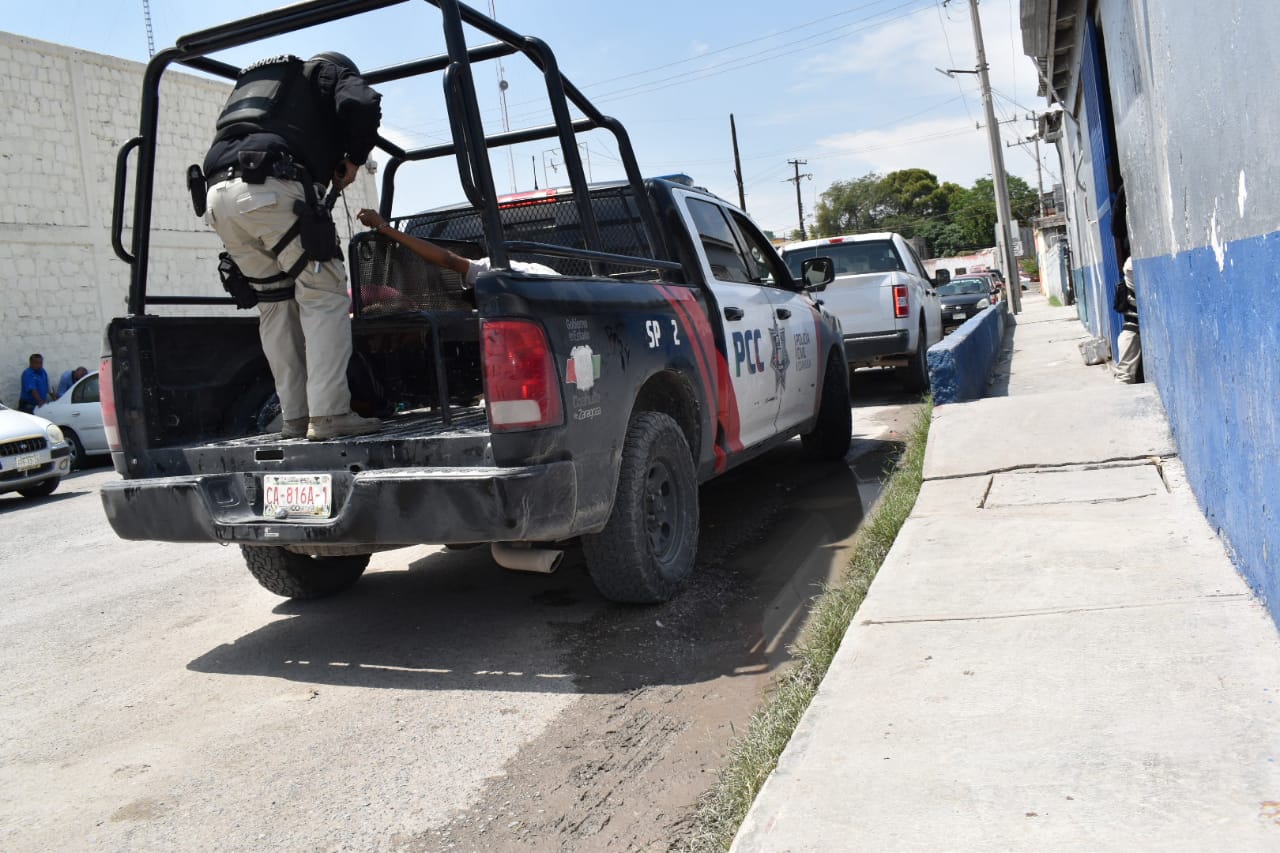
[[1192, 92], [1212, 338]]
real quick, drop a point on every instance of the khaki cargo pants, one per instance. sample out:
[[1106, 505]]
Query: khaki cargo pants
[[307, 340]]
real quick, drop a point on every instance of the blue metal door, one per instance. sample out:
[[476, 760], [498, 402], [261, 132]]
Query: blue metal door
[[1102, 149]]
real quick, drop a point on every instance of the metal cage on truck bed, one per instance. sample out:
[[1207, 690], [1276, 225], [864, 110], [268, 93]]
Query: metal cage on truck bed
[[598, 250]]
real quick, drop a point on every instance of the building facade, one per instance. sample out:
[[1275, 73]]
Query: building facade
[[67, 113], [1168, 146]]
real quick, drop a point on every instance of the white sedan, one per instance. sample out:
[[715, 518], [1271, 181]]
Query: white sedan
[[34, 456], [79, 414]]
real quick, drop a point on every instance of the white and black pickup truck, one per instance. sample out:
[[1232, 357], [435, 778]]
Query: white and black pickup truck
[[672, 344], [883, 297]]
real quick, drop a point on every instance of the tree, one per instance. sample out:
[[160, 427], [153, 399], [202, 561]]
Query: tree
[[953, 220], [847, 207]]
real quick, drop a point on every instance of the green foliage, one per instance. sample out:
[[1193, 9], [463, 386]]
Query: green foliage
[[953, 220]]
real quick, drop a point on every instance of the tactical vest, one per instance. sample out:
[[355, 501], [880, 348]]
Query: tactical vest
[[280, 96]]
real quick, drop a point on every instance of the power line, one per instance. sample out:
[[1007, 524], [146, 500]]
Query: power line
[[716, 69], [947, 39], [755, 40]]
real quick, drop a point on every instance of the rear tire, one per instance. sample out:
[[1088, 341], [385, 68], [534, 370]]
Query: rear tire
[[833, 431], [300, 576], [647, 549], [915, 376], [42, 489]]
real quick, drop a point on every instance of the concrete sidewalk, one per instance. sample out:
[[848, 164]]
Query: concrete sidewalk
[[1057, 653]]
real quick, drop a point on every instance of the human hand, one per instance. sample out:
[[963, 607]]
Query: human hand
[[344, 174], [371, 219]]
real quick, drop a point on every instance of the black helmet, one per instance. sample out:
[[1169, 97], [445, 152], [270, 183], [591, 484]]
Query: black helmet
[[337, 59]]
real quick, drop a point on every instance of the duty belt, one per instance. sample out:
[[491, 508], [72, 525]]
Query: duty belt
[[285, 170]]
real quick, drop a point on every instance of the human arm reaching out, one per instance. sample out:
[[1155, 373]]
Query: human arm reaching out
[[422, 248]]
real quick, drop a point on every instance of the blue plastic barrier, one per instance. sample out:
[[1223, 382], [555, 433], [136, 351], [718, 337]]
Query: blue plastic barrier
[[960, 363]]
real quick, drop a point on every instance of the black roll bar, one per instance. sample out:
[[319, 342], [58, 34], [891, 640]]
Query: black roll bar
[[469, 146]]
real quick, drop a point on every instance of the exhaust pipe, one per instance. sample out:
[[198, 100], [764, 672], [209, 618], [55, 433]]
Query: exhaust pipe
[[522, 557]]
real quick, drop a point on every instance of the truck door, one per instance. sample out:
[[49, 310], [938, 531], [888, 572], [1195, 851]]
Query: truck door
[[794, 362], [745, 315]]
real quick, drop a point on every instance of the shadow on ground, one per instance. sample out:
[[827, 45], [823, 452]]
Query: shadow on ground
[[454, 621]]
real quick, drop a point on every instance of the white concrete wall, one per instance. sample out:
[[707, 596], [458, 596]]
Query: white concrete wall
[[66, 114]]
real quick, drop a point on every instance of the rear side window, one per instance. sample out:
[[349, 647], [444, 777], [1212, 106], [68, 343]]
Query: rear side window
[[724, 256], [86, 391]]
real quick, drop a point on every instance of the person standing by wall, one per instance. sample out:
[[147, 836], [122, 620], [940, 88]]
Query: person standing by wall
[[290, 127], [35, 385], [1128, 367]]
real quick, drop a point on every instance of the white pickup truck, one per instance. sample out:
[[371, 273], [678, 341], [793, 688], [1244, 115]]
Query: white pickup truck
[[884, 298]]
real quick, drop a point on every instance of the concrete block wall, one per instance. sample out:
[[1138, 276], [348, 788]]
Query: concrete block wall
[[67, 112]]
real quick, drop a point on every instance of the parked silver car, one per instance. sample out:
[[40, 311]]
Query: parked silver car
[[34, 455], [79, 414]]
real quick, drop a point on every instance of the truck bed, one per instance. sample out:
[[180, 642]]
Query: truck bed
[[419, 438]]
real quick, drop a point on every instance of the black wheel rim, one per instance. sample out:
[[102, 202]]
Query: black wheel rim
[[663, 512]]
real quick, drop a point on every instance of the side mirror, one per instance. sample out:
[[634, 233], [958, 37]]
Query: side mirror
[[941, 277], [817, 273]]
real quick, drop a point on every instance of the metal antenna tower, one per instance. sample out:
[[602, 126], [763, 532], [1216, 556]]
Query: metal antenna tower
[[502, 95], [151, 38]]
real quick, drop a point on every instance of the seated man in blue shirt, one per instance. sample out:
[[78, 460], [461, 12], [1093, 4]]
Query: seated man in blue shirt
[[35, 385], [69, 378]]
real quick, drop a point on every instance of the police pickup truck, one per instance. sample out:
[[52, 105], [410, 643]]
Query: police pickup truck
[[672, 345]]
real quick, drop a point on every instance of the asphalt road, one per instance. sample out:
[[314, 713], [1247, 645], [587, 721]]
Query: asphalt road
[[154, 697]]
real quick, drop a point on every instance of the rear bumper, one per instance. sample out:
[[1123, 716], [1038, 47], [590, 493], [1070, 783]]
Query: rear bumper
[[868, 347], [389, 507]]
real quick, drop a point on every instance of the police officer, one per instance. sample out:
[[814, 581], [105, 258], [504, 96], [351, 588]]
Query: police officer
[[290, 127]]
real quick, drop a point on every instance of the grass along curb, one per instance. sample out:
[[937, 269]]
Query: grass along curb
[[755, 754]]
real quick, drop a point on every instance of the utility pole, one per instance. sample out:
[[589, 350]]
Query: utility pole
[[1000, 182], [737, 163], [1039, 176], [796, 180]]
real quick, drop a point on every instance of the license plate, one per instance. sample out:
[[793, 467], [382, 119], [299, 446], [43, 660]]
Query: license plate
[[959, 316], [289, 495], [28, 462]]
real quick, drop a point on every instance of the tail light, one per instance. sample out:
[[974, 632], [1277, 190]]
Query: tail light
[[901, 301], [107, 398], [522, 389]]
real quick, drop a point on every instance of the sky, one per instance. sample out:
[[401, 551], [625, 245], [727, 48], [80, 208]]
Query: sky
[[850, 86]]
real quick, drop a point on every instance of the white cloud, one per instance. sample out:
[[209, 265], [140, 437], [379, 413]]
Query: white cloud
[[951, 148], [906, 52]]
